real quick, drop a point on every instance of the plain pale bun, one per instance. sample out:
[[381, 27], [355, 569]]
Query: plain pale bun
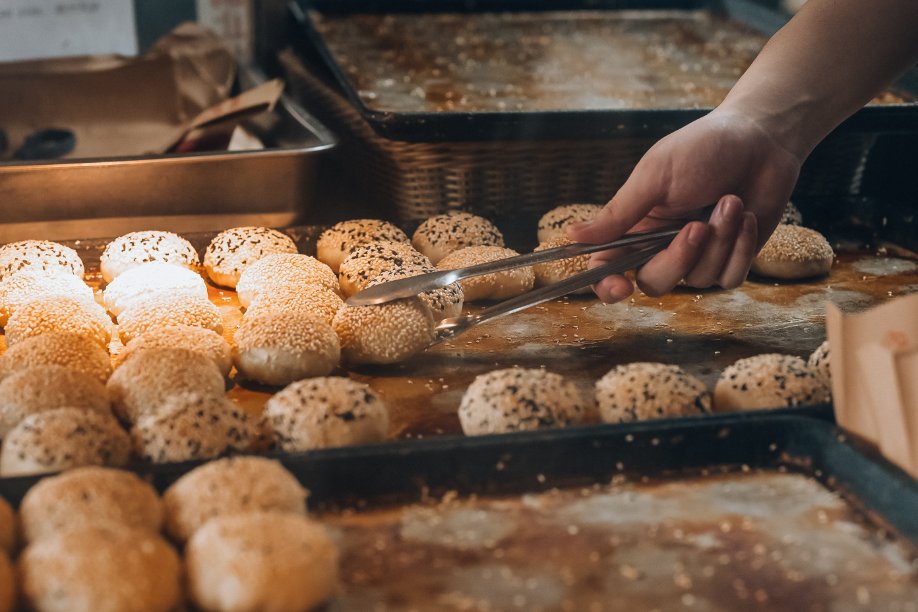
[[555, 222], [61, 439], [261, 561], [794, 252], [497, 286], [285, 272], [204, 342], [89, 496], [440, 235], [146, 380], [40, 255], [58, 348], [108, 568], [231, 251], [367, 261], [518, 399], [326, 412], [552, 272], [62, 315], [138, 248], [9, 527], [47, 387], [27, 286], [643, 391], [320, 303], [338, 241], [769, 381], [385, 333], [150, 280], [443, 303], [166, 311], [191, 427], [230, 486]]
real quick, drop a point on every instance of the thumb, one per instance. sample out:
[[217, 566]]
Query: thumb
[[636, 198]]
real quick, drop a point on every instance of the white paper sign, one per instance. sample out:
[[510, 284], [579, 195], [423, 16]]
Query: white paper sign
[[33, 29], [232, 20]]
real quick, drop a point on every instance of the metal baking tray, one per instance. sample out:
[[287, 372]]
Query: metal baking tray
[[74, 198], [368, 51]]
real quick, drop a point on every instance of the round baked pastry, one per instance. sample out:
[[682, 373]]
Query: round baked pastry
[[8, 528], [144, 382], [46, 387], [191, 426], [58, 348], [230, 486], [7, 584], [326, 412], [277, 348], [108, 568], [284, 272], [166, 311], [89, 496], [819, 362], [769, 381], [338, 241], [644, 391], [791, 215], [554, 223], [63, 438], [440, 235], [794, 252], [261, 561], [367, 261], [202, 341], [518, 399], [386, 333], [59, 314], [320, 303], [443, 303], [150, 281], [552, 272], [231, 251], [27, 286], [497, 286], [40, 255], [138, 248]]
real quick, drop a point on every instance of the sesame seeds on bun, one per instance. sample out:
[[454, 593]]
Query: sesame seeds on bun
[[204, 342], [338, 241], [770, 380], [442, 234], [551, 272], [284, 271], [497, 286], [138, 248], [60, 314], [168, 310], [554, 223], [642, 391], [58, 348], [231, 251], [443, 303], [794, 252], [367, 261], [148, 281], [41, 255], [27, 286], [385, 333], [320, 303]]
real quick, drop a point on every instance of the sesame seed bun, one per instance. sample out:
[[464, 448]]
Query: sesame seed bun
[[382, 334], [554, 223], [88, 496], [168, 310], [40, 255], [367, 261], [769, 381], [59, 314], [518, 399], [58, 348], [320, 303], [27, 286], [138, 248], [101, 568], [326, 412], [231, 251], [338, 241], [61, 439], [46, 387], [204, 342], [819, 362], [552, 272], [643, 391], [261, 561], [230, 486], [144, 382], [148, 281], [497, 286], [440, 235], [443, 303], [794, 252], [284, 271]]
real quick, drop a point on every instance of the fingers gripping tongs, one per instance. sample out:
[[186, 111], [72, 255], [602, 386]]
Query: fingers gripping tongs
[[639, 248]]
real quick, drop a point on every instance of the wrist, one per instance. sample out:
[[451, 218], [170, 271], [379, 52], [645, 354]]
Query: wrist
[[787, 127]]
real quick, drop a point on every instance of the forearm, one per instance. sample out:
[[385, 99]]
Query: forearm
[[826, 63]]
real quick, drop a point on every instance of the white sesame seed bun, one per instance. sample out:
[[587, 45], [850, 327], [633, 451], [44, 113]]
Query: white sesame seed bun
[[9, 529], [230, 486], [40, 255], [89, 496], [46, 387], [554, 223], [769, 381], [162, 311], [794, 252], [261, 561], [497, 286], [58, 348], [819, 362], [552, 272], [387, 333], [101, 568], [320, 303], [644, 391], [27, 286], [61, 439], [149, 281], [144, 382], [326, 412], [443, 303], [440, 235], [338, 241], [367, 261], [518, 399], [59, 314], [204, 342], [231, 251], [138, 248], [284, 270]]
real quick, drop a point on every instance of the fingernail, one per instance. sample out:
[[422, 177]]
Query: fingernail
[[697, 234], [729, 208]]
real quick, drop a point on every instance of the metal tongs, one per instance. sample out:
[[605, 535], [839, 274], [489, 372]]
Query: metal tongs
[[650, 244]]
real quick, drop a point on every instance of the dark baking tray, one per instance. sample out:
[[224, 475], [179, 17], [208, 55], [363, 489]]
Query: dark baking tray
[[451, 126]]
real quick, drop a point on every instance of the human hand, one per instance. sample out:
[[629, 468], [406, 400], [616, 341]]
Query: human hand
[[724, 158]]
